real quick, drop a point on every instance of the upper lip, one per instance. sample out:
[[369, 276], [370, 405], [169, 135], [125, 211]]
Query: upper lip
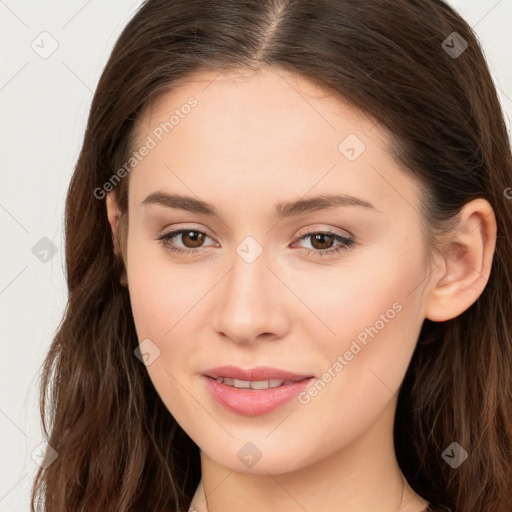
[[254, 374]]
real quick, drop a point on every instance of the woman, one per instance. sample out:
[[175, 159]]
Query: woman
[[288, 243]]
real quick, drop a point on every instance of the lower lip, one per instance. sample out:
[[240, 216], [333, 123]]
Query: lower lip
[[254, 402]]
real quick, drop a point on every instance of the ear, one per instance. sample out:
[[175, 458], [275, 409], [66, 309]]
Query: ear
[[117, 225], [114, 216], [465, 263]]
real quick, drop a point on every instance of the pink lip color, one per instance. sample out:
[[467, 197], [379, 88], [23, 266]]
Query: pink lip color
[[254, 373], [254, 402]]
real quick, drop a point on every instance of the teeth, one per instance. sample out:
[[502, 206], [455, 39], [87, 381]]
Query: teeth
[[247, 384], [264, 384]]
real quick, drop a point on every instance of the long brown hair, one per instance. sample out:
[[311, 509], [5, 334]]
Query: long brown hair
[[118, 446]]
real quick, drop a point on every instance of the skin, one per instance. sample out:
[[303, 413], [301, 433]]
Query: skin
[[256, 139]]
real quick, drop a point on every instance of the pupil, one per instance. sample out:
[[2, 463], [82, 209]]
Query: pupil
[[321, 236], [195, 236]]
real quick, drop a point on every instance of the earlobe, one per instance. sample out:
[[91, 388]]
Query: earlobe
[[467, 260]]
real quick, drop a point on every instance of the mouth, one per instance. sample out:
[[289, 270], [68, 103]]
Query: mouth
[[256, 384], [259, 376], [256, 391]]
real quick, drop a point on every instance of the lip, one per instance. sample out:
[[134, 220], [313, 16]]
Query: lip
[[254, 402], [254, 374]]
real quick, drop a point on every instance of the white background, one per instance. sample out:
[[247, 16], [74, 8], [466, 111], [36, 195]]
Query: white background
[[44, 105]]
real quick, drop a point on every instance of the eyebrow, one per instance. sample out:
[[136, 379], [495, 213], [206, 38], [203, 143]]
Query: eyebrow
[[281, 210]]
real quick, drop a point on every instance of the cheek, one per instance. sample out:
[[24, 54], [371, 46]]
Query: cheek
[[370, 312], [167, 317], [158, 298], [161, 293], [162, 301], [351, 297]]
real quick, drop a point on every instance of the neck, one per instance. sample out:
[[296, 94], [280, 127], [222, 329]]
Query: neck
[[363, 476]]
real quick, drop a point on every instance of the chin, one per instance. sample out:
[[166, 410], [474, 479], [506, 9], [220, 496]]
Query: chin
[[268, 459]]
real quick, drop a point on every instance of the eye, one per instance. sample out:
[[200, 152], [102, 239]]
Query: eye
[[321, 241], [191, 238]]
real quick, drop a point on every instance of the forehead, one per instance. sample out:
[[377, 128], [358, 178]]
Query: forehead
[[270, 130], [246, 95]]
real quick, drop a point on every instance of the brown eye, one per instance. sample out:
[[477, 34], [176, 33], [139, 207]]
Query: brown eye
[[192, 242], [321, 241], [192, 239]]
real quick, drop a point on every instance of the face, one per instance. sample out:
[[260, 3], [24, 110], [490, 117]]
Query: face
[[335, 292]]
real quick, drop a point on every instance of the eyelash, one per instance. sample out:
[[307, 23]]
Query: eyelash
[[347, 242]]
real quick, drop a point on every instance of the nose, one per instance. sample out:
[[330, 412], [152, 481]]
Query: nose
[[251, 303]]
